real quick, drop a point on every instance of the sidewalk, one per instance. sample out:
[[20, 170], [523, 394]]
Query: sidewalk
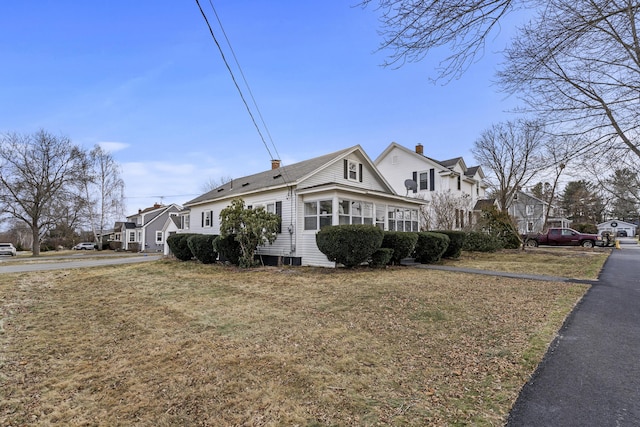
[[590, 375]]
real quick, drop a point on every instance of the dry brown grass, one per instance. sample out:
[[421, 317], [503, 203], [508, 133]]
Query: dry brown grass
[[169, 343], [570, 262]]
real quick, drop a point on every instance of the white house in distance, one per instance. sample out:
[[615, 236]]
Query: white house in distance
[[338, 188], [399, 164], [618, 227]]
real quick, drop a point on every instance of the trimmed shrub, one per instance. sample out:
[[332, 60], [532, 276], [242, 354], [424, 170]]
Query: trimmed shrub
[[201, 246], [430, 247], [456, 242], [381, 257], [179, 246], [479, 241], [228, 248], [351, 244], [402, 243]]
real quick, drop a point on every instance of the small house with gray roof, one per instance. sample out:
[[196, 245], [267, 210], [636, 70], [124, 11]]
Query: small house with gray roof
[[343, 187]]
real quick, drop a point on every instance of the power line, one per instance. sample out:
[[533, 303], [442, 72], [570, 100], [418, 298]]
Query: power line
[[285, 178], [224, 59]]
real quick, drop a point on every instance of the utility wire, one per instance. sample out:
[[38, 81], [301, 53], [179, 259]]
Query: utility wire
[[255, 104], [224, 59]]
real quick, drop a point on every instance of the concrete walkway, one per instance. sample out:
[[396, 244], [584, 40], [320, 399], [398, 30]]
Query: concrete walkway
[[591, 374]]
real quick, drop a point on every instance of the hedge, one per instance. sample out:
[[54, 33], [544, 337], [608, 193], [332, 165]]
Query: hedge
[[350, 244], [228, 248], [430, 247], [201, 246], [381, 257], [456, 242], [402, 243], [179, 247], [479, 241]]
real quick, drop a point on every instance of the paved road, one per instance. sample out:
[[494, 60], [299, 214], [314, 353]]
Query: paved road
[[591, 374], [23, 265]]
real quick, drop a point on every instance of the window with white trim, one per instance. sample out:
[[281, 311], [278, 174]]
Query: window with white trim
[[317, 214], [423, 184], [380, 211], [355, 212], [402, 219], [353, 170], [158, 236], [529, 210], [132, 236]]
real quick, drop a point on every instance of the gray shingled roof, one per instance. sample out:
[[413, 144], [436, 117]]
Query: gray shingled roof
[[290, 174]]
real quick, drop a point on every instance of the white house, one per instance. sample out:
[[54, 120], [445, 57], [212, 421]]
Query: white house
[[400, 166], [615, 227], [338, 188]]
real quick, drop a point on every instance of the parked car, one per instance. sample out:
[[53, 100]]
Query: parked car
[[622, 233], [563, 237], [84, 246], [7, 249]]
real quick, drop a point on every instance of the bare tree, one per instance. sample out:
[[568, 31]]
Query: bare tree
[[36, 170], [213, 183], [578, 66], [511, 153], [413, 28], [447, 211], [102, 189]]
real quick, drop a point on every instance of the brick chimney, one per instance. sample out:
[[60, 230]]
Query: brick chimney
[[275, 164], [420, 149]]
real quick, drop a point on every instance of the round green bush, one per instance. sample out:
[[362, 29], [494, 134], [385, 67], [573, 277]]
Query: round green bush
[[228, 248], [381, 257], [456, 242], [349, 245], [402, 243], [430, 247], [201, 246], [179, 246], [479, 241]]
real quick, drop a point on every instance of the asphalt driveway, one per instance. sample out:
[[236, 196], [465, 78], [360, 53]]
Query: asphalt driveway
[[591, 374]]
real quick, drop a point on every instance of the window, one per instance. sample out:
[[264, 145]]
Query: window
[[132, 236], [118, 237], [423, 181], [355, 212], [317, 214], [158, 236], [352, 170], [380, 217], [529, 210], [207, 219], [529, 227], [402, 219], [184, 222]]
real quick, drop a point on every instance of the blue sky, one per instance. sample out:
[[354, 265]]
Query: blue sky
[[145, 80]]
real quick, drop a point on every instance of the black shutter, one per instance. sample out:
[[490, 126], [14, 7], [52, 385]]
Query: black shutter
[[432, 179], [346, 169], [415, 179], [279, 213], [202, 219], [360, 172]]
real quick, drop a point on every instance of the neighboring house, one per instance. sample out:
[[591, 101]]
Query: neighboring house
[[171, 226], [615, 226], [447, 181], [529, 212], [338, 188], [143, 232]]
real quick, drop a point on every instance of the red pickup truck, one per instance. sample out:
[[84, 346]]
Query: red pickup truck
[[563, 237]]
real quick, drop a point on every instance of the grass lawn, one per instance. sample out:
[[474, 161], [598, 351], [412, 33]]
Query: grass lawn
[[168, 343]]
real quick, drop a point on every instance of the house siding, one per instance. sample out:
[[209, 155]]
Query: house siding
[[335, 173]]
